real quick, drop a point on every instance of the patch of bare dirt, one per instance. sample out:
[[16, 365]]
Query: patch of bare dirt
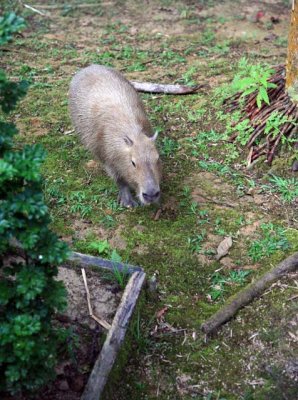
[[104, 300]]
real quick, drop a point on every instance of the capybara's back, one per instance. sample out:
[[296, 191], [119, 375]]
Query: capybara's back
[[104, 106], [109, 116]]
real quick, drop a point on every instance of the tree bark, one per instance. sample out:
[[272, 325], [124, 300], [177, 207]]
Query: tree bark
[[292, 57]]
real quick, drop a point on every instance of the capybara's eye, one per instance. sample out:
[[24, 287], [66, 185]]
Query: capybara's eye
[[133, 163]]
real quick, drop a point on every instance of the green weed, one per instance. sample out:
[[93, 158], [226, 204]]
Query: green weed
[[251, 78], [272, 238], [219, 230], [286, 187], [195, 242], [219, 282], [274, 123]]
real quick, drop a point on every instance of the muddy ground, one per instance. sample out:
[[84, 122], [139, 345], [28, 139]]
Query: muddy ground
[[208, 194]]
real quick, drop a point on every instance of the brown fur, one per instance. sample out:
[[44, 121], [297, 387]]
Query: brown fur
[[110, 118]]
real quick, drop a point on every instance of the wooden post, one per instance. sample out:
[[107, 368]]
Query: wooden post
[[107, 356], [292, 57]]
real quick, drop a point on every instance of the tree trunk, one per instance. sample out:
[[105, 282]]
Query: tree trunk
[[292, 57]]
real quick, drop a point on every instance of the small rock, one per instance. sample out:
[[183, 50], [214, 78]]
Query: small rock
[[295, 166], [152, 283]]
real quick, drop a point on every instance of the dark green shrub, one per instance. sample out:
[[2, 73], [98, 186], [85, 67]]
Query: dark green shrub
[[29, 292]]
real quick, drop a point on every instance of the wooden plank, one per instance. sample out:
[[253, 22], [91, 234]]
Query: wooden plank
[[115, 337], [85, 260]]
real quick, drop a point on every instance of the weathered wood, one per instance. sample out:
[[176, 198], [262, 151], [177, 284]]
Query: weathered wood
[[150, 87], [82, 5], [85, 260], [115, 337], [245, 296]]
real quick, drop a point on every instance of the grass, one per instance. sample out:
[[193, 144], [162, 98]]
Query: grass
[[272, 238], [287, 188]]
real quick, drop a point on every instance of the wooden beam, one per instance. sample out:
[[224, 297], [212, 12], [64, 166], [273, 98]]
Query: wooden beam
[[85, 260], [115, 337]]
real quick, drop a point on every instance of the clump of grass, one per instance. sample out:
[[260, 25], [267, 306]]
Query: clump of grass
[[272, 238], [219, 282], [286, 187]]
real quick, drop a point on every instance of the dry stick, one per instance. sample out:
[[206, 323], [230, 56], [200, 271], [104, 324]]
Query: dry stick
[[87, 291], [100, 321], [35, 10], [245, 296], [150, 87]]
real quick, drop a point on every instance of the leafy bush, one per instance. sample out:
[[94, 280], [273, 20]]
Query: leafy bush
[[29, 292]]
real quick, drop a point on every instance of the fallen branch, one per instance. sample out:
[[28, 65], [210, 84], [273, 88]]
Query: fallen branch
[[150, 87], [82, 5], [248, 294]]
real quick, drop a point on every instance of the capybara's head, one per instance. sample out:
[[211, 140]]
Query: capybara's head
[[144, 167]]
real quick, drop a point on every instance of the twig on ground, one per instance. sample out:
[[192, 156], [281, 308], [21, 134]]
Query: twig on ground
[[99, 320], [87, 291], [248, 294], [35, 10]]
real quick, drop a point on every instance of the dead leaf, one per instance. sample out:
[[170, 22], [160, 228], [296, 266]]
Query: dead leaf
[[161, 312], [91, 164], [157, 214], [224, 247]]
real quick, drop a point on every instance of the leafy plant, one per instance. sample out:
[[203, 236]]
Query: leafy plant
[[273, 124], [101, 247], [29, 293], [251, 78], [195, 242], [272, 238], [219, 282], [10, 23], [287, 188]]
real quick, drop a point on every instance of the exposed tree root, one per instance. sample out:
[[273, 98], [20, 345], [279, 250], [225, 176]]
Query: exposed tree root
[[248, 294], [259, 142]]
